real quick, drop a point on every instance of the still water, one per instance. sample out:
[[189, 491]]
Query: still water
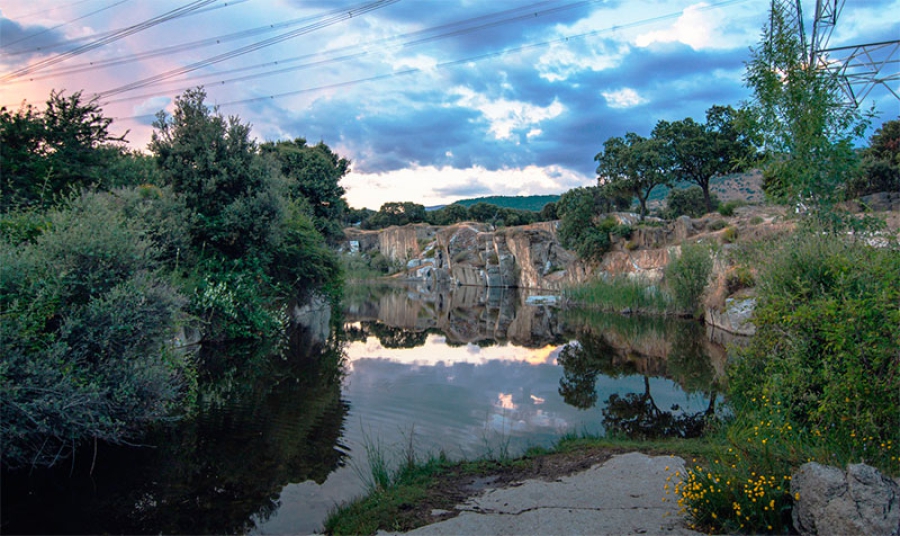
[[281, 433]]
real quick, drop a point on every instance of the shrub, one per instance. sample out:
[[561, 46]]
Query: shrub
[[826, 344], [687, 201], [622, 230], [716, 225], [727, 209], [729, 235], [756, 220], [688, 275], [85, 336]]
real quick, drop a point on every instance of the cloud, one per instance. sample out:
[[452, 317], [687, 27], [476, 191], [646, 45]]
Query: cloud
[[623, 98], [695, 28], [506, 116]]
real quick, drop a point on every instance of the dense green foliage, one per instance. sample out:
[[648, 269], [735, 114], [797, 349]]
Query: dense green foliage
[[531, 203], [687, 276], [698, 152], [210, 230], [314, 173], [798, 116], [86, 334], [633, 165], [880, 164], [49, 153], [825, 352], [578, 228], [688, 202]]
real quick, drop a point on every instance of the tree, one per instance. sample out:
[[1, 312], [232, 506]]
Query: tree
[[798, 116], [315, 172], [45, 154], [577, 210], [881, 162], [213, 163], [634, 165], [700, 152], [396, 213]]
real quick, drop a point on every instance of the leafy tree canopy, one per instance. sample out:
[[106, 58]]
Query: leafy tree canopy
[[633, 165], [799, 117], [47, 153], [314, 172], [698, 152]]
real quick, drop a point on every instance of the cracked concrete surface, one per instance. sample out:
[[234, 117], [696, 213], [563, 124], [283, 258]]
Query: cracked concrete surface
[[625, 495]]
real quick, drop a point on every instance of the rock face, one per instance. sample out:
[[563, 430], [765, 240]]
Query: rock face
[[858, 501]]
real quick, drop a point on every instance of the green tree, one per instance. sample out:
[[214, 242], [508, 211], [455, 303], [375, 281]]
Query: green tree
[[448, 215], [396, 213], [798, 116], [688, 275], [633, 165], [689, 201], [700, 152], [212, 162], [46, 154], [315, 173], [578, 228], [881, 162]]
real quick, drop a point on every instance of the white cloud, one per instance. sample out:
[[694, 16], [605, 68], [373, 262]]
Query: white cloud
[[421, 183], [623, 98], [506, 116], [703, 27], [561, 61]]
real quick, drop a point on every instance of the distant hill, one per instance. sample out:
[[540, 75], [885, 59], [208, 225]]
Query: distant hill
[[527, 202]]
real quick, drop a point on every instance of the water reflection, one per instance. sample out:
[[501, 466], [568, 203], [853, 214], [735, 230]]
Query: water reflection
[[280, 432], [267, 416]]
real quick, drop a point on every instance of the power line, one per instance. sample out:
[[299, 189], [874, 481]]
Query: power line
[[115, 36], [45, 30], [351, 52], [246, 49], [169, 50], [451, 63]]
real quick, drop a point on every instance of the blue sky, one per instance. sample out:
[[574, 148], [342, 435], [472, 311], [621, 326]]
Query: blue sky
[[431, 100]]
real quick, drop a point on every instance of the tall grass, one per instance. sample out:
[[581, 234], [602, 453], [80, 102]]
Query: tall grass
[[619, 294]]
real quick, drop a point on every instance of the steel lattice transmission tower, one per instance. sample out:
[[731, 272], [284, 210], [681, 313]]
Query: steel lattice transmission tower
[[859, 68]]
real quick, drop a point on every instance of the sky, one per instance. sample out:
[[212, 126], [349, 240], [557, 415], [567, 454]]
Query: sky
[[431, 100]]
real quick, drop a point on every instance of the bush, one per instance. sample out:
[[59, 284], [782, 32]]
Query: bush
[[687, 201], [729, 235], [687, 277], [826, 347], [756, 220], [85, 336], [727, 209], [716, 225]]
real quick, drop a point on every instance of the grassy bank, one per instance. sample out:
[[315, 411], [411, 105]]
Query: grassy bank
[[404, 498]]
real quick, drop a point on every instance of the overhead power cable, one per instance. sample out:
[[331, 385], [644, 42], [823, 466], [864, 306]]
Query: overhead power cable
[[174, 49], [462, 61], [365, 8], [350, 52], [165, 17], [45, 30], [50, 46]]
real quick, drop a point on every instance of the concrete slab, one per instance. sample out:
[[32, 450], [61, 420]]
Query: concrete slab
[[622, 496]]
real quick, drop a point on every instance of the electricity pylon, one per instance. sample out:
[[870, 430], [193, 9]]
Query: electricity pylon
[[858, 68]]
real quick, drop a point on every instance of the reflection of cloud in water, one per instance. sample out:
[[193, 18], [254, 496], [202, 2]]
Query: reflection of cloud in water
[[435, 351]]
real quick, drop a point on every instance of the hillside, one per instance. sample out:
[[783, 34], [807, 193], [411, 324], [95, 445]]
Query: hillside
[[529, 202]]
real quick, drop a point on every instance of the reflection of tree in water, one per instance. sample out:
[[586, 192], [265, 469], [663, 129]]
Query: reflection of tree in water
[[264, 420], [582, 362], [391, 337], [635, 415]]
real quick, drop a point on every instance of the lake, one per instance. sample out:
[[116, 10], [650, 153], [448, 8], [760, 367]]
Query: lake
[[282, 431]]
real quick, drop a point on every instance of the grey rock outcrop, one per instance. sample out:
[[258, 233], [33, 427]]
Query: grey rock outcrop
[[859, 500]]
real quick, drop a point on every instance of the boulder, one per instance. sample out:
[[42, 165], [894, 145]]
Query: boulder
[[859, 500]]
